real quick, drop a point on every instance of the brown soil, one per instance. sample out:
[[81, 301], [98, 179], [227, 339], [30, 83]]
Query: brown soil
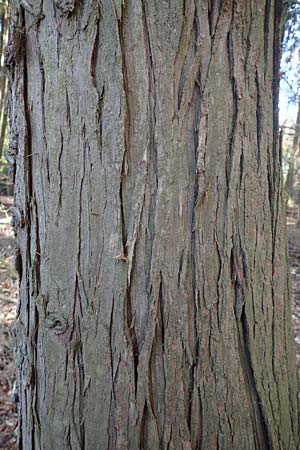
[[8, 301]]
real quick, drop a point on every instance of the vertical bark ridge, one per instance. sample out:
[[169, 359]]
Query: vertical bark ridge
[[183, 48], [268, 5], [258, 118]]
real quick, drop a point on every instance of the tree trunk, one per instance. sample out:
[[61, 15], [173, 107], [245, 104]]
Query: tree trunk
[[154, 295]]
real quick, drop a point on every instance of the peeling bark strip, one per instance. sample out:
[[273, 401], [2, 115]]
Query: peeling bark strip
[[154, 302]]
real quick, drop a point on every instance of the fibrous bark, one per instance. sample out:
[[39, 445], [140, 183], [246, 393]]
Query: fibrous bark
[[154, 298]]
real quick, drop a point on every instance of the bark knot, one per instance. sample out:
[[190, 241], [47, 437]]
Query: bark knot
[[57, 323], [66, 6]]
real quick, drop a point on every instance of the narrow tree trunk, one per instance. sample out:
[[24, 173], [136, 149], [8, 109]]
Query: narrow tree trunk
[[154, 298], [3, 123], [296, 155], [4, 24], [290, 178]]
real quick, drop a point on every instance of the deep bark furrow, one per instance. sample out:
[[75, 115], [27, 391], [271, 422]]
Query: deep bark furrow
[[268, 4], [258, 118], [183, 47], [230, 47], [259, 426]]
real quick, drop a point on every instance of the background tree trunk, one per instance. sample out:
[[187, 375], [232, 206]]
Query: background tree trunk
[[4, 27], [292, 176], [154, 296]]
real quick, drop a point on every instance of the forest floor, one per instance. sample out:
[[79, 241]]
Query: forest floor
[[294, 252], [8, 301]]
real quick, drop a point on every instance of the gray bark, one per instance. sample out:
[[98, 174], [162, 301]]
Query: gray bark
[[154, 296]]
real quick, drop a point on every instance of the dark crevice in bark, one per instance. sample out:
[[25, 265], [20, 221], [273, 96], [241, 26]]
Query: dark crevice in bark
[[151, 366], [66, 359], [60, 174], [68, 111], [181, 258], [195, 188], [143, 441], [83, 132], [37, 256], [184, 43], [260, 429], [280, 147], [161, 313], [94, 58], [110, 422], [160, 335], [28, 204], [111, 350], [124, 167], [270, 179], [131, 334], [195, 292], [100, 91], [196, 38], [43, 88], [249, 36], [258, 117], [191, 389], [123, 254], [19, 268], [76, 359], [152, 90], [237, 279], [152, 105], [121, 23], [245, 266], [266, 34], [214, 8], [182, 52], [210, 16], [28, 140], [58, 38], [199, 443], [234, 91], [170, 439], [99, 119], [242, 162], [180, 88], [195, 193], [230, 49], [81, 373]]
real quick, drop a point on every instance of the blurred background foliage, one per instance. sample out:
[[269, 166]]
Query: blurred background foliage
[[290, 107], [5, 183]]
